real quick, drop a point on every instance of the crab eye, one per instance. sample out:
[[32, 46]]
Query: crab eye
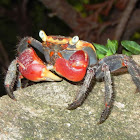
[[42, 35], [75, 39]]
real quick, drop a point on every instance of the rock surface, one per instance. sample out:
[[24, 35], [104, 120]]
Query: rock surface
[[40, 113]]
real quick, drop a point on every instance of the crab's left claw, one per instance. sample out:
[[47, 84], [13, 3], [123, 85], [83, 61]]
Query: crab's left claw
[[73, 69]]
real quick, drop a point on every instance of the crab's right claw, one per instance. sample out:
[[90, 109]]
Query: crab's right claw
[[34, 69]]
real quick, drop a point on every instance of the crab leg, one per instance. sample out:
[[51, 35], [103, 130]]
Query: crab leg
[[109, 95], [24, 44], [134, 71], [11, 78], [81, 96], [107, 66]]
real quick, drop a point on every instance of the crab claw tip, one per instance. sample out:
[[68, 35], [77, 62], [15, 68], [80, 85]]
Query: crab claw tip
[[49, 76]]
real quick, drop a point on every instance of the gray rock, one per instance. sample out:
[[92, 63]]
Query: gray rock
[[40, 113]]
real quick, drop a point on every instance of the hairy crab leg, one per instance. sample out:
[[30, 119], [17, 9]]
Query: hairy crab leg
[[117, 61], [24, 44], [11, 78], [109, 95], [134, 71], [83, 90]]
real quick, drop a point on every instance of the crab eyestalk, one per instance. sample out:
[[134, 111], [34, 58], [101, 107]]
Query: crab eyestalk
[[74, 40], [43, 35]]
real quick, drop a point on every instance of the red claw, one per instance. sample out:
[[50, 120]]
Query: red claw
[[73, 69], [32, 67]]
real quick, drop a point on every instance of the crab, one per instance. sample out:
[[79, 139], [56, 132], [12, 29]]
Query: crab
[[69, 58]]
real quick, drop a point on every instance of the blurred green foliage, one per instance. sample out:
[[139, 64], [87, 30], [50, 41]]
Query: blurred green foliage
[[5, 2], [79, 5], [131, 46], [136, 36]]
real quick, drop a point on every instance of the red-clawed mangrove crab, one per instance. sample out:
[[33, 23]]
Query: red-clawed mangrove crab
[[72, 59]]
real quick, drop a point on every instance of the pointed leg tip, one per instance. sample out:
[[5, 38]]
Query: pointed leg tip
[[105, 114], [137, 90], [12, 97], [98, 123], [72, 106], [101, 121], [15, 99]]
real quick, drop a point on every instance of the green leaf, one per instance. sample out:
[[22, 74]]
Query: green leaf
[[99, 54], [131, 46], [112, 45], [101, 48], [126, 53], [109, 53]]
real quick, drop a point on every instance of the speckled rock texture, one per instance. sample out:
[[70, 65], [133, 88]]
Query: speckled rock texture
[[40, 112]]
